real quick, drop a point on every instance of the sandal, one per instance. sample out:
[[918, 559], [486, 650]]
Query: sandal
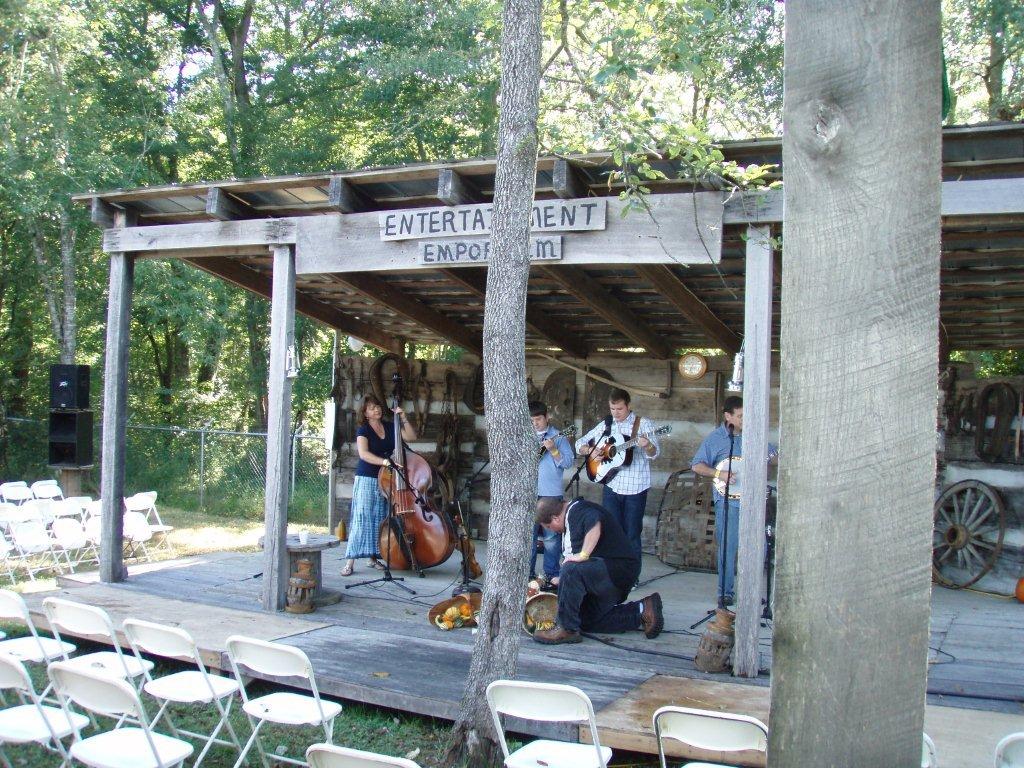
[[347, 570], [375, 563]]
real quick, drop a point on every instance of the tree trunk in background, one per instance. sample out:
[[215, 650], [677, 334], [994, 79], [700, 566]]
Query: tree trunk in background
[[256, 332], [509, 437], [996, 27], [861, 143], [60, 302]]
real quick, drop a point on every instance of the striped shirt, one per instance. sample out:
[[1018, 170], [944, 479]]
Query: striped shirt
[[636, 478]]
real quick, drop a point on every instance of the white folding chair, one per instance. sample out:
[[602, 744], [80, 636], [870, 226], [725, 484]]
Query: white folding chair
[[46, 489], [32, 721], [88, 621], [1010, 751], [9, 513], [145, 504], [709, 731], [38, 509], [66, 508], [34, 547], [33, 648], [69, 539], [11, 484], [282, 707], [16, 493], [330, 756], [550, 703], [929, 758], [123, 747], [194, 686], [136, 533], [8, 554], [91, 508]]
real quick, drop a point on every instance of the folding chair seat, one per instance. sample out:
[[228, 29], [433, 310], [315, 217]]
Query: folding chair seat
[[145, 502], [281, 707], [38, 509], [46, 489], [125, 747], [91, 508], [709, 731], [16, 493], [1010, 751], [330, 756], [88, 621], [9, 513], [550, 703], [194, 686], [32, 721], [33, 648]]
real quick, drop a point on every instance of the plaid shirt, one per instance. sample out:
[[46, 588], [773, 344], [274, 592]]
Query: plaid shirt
[[635, 478]]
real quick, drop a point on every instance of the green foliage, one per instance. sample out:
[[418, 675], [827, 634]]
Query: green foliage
[[991, 364]]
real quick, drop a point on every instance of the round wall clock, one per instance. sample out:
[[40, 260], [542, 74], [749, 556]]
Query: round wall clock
[[693, 365]]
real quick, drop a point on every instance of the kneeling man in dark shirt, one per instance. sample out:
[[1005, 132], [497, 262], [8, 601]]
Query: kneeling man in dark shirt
[[599, 568]]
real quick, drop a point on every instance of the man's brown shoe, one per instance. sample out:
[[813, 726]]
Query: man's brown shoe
[[651, 620], [556, 636]]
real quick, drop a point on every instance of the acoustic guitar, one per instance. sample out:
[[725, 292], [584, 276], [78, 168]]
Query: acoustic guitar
[[612, 452]]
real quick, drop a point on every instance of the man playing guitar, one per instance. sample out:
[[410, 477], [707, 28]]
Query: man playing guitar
[[555, 456], [625, 495], [711, 460]]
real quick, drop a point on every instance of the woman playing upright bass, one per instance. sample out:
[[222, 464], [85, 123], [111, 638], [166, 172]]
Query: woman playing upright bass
[[375, 441]]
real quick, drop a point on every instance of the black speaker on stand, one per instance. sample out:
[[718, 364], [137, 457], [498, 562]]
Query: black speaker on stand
[[70, 427]]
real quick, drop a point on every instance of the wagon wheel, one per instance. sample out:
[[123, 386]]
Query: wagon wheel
[[970, 522]]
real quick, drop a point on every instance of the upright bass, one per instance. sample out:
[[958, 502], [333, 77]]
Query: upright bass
[[414, 535]]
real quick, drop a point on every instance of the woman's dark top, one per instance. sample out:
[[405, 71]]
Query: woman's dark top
[[379, 446]]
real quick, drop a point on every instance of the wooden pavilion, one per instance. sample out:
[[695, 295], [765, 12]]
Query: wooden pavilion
[[394, 255]]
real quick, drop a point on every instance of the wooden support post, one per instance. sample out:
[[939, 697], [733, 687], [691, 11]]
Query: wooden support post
[[858, 382], [757, 355], [221, 206], [115, 413], [279, 410]]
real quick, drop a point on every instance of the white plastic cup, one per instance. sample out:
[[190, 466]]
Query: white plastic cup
[[303, 537]]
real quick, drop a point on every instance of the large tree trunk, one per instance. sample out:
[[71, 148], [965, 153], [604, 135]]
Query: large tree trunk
[[255, 329], [858, 387], [509, 438], [60, 303]]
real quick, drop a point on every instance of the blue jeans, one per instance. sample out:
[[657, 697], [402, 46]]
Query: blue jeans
[[727, 555], [629, 511], [552, 551]]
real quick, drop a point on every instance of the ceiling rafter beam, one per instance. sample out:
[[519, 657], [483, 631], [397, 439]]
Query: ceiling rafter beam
[[413, 309], [569, 182], [239, 274], [342, 196], [689, 305], [474, 280], [222, 207], [593, 295], [455, 189]]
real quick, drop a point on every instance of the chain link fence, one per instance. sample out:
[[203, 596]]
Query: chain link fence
[[212, 470]]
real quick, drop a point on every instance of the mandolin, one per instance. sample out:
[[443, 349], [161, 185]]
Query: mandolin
[[567, 432], [612, 452]]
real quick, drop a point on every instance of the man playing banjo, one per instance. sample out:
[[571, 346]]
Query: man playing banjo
[[713, 460]]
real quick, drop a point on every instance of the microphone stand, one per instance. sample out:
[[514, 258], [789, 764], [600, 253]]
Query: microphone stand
[[576, 477]]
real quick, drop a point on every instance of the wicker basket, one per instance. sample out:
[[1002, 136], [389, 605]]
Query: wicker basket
[[541, 607]]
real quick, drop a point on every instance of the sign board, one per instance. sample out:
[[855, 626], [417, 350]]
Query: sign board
[[588, 213], [452, 253]]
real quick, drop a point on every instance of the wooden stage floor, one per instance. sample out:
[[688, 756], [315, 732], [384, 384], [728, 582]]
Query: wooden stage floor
[[377, 647]]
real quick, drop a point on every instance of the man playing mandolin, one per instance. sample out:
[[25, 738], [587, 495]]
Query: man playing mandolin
[[555, 456], [712, 460], [625, 495]]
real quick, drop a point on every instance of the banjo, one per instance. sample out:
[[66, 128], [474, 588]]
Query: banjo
[[612, 452], [736, 482]]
